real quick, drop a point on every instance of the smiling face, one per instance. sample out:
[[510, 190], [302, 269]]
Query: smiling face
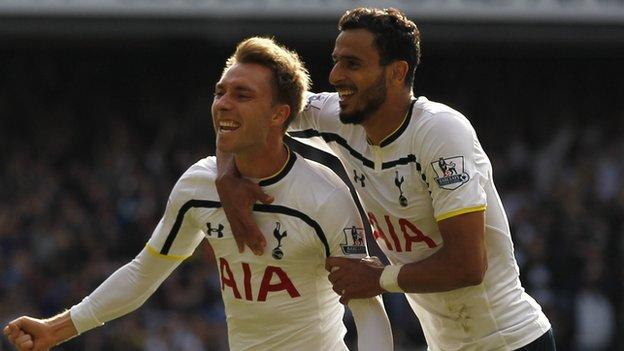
[[243, 109], [357, 76]]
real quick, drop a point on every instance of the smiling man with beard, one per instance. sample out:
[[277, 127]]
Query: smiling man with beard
[[428, 189]]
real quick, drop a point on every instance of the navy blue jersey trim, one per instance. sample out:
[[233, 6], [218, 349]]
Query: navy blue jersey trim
[[332, 137], [397, 133], [281, 174], [294, 213], [333, 162], [180, 218], [402, 161], [257, 207]]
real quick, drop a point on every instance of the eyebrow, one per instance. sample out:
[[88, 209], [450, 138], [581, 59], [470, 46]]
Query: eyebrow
[[347, 57], [237, 88]]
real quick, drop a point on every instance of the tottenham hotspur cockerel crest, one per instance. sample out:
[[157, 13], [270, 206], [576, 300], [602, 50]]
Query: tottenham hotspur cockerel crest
[[279, 235]]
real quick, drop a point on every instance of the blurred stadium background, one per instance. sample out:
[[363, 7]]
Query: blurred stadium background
[[104, 103]]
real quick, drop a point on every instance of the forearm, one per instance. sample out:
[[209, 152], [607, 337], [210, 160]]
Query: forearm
[[124, 291], [61, 327], [238, 195], [460, 262], [440, 272], [226, 165], [373, 326]]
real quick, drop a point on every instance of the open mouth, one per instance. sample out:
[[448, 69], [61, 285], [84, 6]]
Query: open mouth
[[345, 93], [228, 126]]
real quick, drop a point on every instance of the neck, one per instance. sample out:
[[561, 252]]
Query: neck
[[388, 118], [262, 162]]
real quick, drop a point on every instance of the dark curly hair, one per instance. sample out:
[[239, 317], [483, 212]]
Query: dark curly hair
[[395, 36]]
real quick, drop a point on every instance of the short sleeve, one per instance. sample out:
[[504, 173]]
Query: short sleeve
[[319, 114], [455, 166], [177, 233], [343, 225]]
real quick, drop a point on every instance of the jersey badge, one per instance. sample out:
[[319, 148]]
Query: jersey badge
[[357, 237], [315, 101], [218, 230], [450, 172], [399, 183], [277, 251]]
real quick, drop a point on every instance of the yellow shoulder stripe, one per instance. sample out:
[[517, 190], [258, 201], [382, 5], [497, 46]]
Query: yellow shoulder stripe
[[460, 212], [155, 252]]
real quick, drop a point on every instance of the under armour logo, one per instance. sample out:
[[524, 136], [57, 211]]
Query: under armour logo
[[399, 182], [218, 230], [277, 252], [360, 178]]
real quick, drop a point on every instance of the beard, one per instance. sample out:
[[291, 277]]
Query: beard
[[372, 98]]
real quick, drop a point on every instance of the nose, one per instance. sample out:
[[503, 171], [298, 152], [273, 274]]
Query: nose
[[336, 75], [221, 103]]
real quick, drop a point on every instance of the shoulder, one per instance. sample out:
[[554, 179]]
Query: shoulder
[[199, 176], [204, 169], [320, 101], [437, 121], [320, 185], [317, 176], [320, 193], [433, 113], [322, 107]]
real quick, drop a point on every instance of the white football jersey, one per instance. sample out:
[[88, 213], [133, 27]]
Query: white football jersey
[[429, 169], [281, 300]]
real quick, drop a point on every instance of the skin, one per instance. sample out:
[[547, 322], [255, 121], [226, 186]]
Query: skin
[[462, 261], [239, 200], [244, 96], [32, 334], [356, 65]]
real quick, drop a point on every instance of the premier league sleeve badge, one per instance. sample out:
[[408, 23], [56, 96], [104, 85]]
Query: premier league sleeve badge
[[353, 241], [450, 172]]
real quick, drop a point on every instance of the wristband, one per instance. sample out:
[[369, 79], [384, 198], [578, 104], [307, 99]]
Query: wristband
[[389, 279]]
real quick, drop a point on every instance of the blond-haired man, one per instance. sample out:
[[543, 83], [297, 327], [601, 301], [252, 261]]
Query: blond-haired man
[[281, 300]]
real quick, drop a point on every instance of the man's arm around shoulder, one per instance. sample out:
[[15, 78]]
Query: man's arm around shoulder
[[238, 195], [461, 262]]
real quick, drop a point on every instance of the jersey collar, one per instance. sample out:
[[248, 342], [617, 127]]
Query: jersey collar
[[397, 132], [282, 172]]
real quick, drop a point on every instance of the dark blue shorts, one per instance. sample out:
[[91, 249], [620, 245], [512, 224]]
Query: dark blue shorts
[[545, 342]]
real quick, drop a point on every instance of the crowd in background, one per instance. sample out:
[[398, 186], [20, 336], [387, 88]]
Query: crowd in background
[[92, 144]]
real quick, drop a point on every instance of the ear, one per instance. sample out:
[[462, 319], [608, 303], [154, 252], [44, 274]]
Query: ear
[[282, 111], [398, 71]]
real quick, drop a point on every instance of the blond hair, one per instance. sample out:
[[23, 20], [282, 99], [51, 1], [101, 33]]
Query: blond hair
[[291, 78]]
